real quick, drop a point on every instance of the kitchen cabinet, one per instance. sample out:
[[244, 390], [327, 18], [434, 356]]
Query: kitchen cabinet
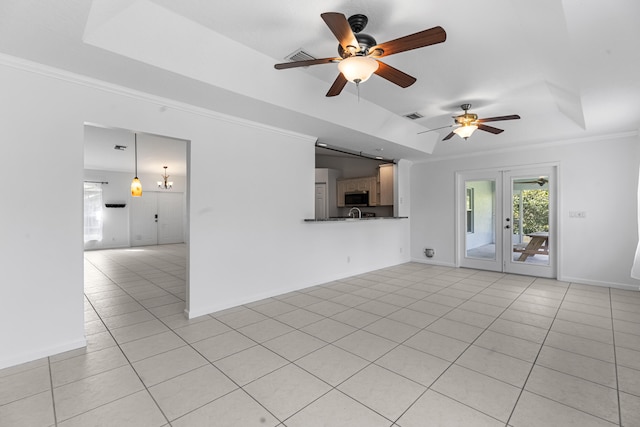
[[385, 181], [369, 184], [341, 189]]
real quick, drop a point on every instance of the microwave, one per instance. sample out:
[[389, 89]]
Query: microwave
[[356, 198]]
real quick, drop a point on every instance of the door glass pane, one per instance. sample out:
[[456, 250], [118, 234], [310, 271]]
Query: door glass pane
[[480, 241], [530, 220]]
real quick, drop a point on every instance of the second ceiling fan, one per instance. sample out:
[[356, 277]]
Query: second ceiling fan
[[469, 122], [359, 52]]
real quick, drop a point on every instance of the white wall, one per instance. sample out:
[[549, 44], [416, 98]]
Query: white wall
[[596, 176], [247, 238], [41, 225]]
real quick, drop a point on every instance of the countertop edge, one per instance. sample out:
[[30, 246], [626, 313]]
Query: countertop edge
[[373, 218]]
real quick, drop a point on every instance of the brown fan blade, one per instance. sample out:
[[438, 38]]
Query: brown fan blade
[[337, 85], [414, 41], [490, 129], [340, 28], [306, 63], [394, 75], [448, 136], [500, 118]]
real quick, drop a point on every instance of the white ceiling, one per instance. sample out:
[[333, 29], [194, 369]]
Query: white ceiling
[[569, 68], [154, 152]]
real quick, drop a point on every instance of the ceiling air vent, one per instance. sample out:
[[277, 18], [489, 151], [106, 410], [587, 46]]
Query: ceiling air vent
[[414, 116], [299, 55]]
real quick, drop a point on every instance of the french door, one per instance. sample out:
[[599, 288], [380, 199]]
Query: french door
[[506, 220]]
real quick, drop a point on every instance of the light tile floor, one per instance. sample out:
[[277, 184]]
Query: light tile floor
[[407, 346]]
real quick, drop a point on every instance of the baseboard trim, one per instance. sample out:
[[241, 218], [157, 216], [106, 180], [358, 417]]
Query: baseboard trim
[[583, 281], [431, 262], [40, 353], [201, 311]]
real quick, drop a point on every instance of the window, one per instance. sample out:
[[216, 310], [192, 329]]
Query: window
[[92, 211], [470, 210]]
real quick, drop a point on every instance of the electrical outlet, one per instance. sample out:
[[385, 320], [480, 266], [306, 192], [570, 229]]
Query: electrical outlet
[[577, 214], [348, 259]]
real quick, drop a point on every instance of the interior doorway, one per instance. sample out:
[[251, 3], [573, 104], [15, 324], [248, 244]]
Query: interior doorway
[[506, 220], [111, 157]]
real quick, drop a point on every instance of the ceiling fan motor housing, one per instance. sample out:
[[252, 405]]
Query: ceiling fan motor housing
[[364, 40], [358, 23], [466, 119]]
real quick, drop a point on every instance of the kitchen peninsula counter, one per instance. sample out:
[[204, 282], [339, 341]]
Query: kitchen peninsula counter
[[347, 219]]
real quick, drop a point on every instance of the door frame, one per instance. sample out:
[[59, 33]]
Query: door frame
[[186, 207], [501, 210]]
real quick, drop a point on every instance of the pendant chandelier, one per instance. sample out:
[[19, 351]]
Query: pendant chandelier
[[165, 184], [136, 185]]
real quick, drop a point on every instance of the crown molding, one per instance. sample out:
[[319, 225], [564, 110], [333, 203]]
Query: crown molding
[[163, 103], [530, 146]]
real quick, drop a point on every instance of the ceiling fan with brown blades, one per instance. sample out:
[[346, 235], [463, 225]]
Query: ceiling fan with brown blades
[[468, 122], [359, 52]]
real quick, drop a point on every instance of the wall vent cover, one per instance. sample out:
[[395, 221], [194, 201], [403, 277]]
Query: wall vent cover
[[299, 55], [413, 116]]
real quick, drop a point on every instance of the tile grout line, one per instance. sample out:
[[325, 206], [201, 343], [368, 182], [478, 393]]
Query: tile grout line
[[441, 317], [533, 365], [548, 398], [615, 359], [419, 330], [53, 400], [460, 355], [378, 299], [239, 387], [129, 363], [330, 343], [370, 363]]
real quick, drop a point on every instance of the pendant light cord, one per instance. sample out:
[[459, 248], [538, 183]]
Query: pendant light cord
[[135, 137]]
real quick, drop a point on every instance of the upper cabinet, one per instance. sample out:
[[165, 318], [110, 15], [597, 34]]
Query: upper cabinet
[[379, 187], [385, 182], [368, 184]]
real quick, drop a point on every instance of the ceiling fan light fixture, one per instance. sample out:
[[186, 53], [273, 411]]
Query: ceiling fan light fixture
[[358, 69], [465, 131]]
